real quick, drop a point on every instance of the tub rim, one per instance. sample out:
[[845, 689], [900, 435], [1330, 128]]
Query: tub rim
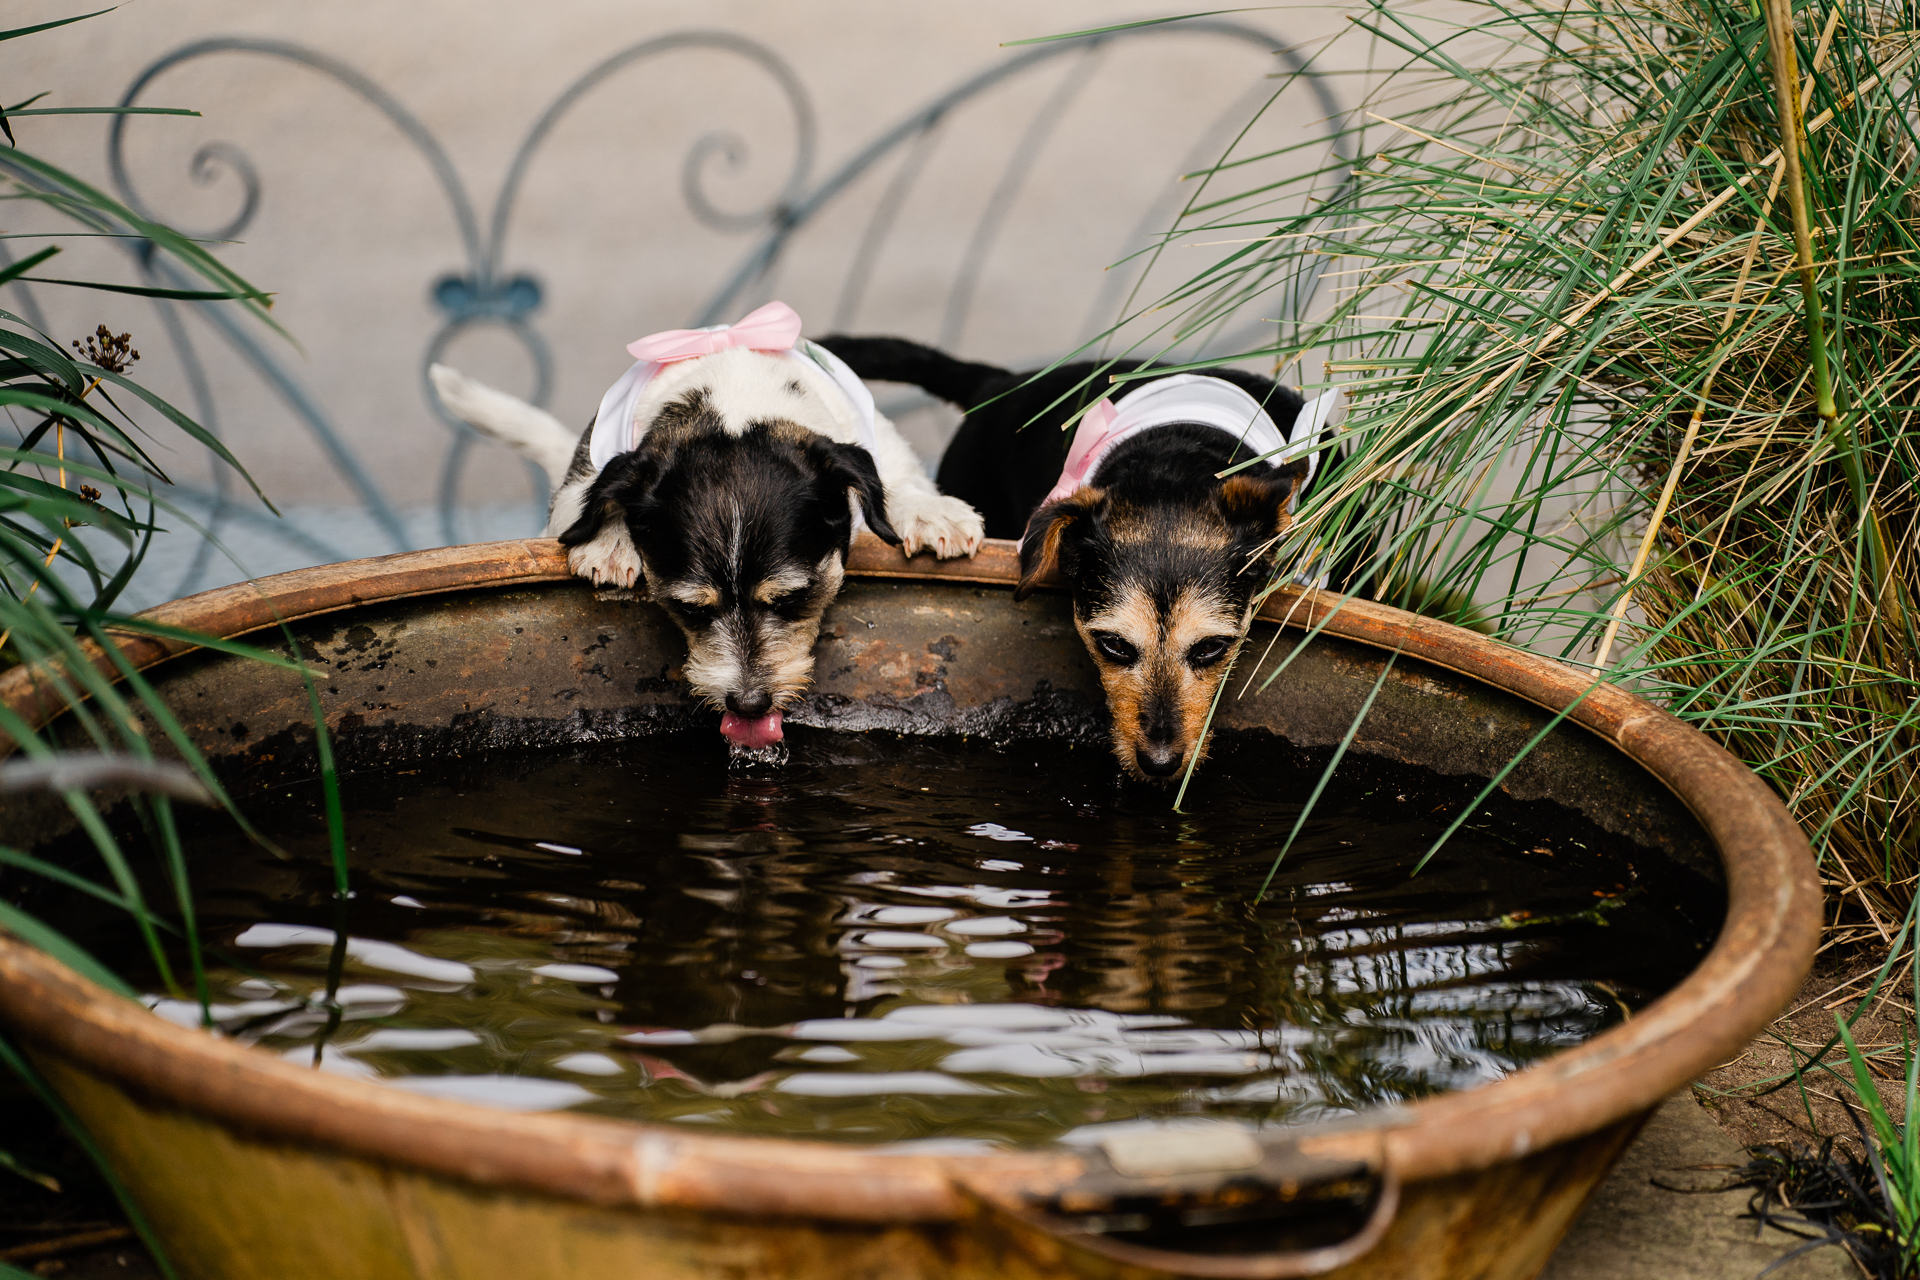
[[1764, 949]]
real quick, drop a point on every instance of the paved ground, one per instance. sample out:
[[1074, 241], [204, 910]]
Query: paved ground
[[1634, 1230]]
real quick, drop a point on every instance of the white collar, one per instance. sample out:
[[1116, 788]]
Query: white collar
[[617, 431], [1189, 397]]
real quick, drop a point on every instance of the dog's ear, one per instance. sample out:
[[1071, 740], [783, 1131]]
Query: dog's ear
[[849, 468], [623, 486], [1059, 537], [1259, 504]]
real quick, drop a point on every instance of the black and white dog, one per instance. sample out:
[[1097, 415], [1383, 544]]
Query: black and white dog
[[729, 469], [1164, 556]]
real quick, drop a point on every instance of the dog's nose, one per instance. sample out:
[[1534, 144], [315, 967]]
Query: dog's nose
[[750, 705], [1157, 760]]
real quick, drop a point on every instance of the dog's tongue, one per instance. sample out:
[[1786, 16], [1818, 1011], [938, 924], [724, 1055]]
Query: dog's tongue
[[752, 734]]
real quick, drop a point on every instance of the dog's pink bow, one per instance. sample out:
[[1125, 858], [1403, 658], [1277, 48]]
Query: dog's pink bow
[[1089, 441], [774, 327]]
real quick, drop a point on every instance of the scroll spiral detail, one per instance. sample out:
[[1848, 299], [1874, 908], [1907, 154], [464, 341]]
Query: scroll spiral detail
[[483, 292]]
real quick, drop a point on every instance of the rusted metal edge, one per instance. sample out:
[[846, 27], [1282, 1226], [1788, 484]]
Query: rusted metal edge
[[1763, 951], [1766, 943], [246, 607]]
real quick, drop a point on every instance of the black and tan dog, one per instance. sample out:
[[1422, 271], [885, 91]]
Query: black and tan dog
[[1163, 556]]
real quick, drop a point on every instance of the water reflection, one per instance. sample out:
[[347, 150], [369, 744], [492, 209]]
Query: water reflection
[[895, 940]]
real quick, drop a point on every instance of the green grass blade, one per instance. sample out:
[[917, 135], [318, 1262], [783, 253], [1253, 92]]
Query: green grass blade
[[17, 32], [1326, 775], [45, 937], [1126, 26]]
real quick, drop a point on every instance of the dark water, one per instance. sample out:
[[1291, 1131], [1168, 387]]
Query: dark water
[[890, 940]]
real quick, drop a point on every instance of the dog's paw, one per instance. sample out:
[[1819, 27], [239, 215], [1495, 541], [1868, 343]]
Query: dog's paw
[[609, 560], [945, 526]]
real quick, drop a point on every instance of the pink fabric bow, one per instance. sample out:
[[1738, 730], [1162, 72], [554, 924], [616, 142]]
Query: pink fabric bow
[[1089, 439], [774, 327]]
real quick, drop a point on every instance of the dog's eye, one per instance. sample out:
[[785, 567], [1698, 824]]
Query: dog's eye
[[1209, 651], [789, 602], [1114, 649], [692, 615]]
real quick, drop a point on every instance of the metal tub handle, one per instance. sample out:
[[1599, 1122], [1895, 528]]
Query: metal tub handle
[[1211, 1202]]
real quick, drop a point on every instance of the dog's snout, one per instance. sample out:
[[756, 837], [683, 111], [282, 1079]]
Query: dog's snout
[[751, 704], [1158, 760], [1157, 727]]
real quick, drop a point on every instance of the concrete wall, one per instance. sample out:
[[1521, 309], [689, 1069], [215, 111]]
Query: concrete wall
[[351, 228]]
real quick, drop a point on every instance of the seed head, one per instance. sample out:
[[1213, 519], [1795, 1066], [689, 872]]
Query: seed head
[[106, 350]]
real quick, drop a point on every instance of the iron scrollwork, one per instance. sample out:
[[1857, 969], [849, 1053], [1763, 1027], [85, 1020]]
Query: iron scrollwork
[[485, 293]]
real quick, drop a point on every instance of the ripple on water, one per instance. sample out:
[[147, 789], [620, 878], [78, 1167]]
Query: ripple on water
[[817, 946]]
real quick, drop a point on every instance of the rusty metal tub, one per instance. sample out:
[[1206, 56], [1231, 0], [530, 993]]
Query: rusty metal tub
[[252, 1167]]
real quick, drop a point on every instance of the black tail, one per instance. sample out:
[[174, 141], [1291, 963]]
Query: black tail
[[935, 372]]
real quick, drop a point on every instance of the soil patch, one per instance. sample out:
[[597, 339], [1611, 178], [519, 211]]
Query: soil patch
[[1755, 1097]]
